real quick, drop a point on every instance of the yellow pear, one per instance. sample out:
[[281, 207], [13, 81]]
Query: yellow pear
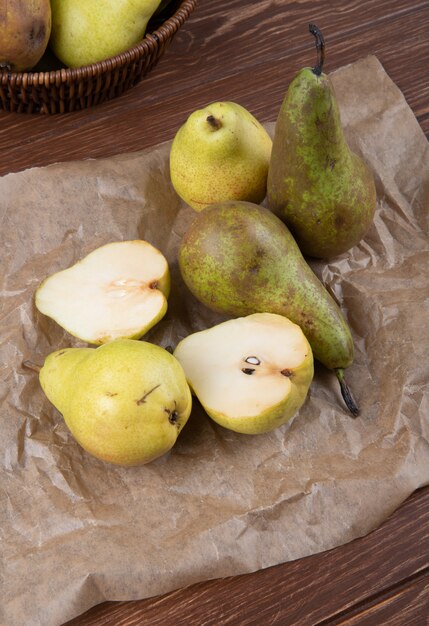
[[221, 153], [87, 31], [124, 402]]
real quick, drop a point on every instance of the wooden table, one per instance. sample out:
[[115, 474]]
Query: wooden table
[[248, 52]]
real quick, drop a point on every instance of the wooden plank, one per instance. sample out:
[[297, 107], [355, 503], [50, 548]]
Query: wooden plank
[[408, 605], [153, 111], [304, 592]]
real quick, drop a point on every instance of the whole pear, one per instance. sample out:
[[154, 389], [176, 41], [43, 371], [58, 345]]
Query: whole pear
[[24, 33], [221, 153], [87, 31], [239, 258], [125, 402], [323, 191]]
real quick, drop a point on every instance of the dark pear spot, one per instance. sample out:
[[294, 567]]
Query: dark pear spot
[[153, 284], [110, 394], [287, 373], [214, 123], [61, 353], [173, 417], [37, 34]]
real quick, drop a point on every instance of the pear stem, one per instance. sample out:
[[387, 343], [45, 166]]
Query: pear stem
[[32, 366], [320, 47], [214, 123], [346, 393]]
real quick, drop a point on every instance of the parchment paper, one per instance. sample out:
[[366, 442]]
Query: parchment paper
[[76, 531]]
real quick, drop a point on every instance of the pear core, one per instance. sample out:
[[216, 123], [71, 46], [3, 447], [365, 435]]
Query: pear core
[[119, 290], [255, 369]]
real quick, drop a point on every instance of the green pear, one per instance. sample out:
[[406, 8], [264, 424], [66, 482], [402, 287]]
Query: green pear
[[251, 374], [221, 153], [125, 402], [24, 33], [239, 258], [88, 31], [323, 191], [119, 290]]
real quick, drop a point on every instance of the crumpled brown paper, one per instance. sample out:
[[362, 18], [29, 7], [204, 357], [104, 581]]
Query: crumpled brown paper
[[76, 531]]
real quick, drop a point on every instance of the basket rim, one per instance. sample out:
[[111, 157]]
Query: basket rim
[[149, 42]]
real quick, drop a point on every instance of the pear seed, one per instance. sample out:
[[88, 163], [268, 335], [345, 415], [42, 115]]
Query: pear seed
[[253, 360], [247, 370]]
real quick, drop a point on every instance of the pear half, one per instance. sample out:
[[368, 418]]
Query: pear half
[[119, 290], [251, 374]]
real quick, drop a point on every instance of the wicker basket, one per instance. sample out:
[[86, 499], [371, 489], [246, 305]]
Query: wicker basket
[[65, 90]]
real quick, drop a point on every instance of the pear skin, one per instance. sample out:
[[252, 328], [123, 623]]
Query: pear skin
[[57, 372], [323, 191], [239, 258], [221, 153], [25, 28]]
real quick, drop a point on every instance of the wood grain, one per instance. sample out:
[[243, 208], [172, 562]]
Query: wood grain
[[248, 52], [406, 605], [206, 63]]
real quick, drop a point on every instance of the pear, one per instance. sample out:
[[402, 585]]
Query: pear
[[323, 191], [24, 33], [239, 258], [87, 31], [221, 153], [125, 402], [119, 290], [251, 374]]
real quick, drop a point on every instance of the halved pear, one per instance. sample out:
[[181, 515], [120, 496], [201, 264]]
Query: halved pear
[[251, 374], [118, 291]]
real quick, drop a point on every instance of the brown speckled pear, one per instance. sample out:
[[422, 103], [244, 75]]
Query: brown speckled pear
[[24, 33], [322, 190], [239, 258]]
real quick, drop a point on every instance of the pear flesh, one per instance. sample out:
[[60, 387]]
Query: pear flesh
[[317, 185], [221, 153], [86, 32], [119, 290], [251, 374], [238, 258], [25, 28], [125, 402]]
